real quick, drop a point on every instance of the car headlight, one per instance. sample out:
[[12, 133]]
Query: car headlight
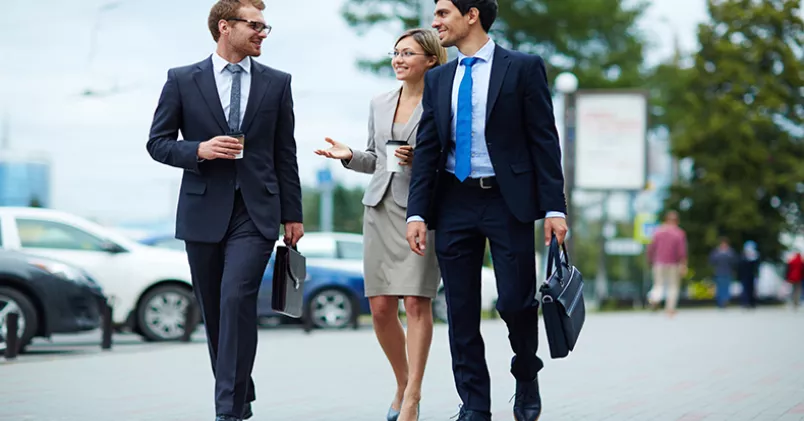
[[63, 271]]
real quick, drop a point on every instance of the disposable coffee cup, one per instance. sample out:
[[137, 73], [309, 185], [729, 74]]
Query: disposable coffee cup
[[242, 139], [391, 161]]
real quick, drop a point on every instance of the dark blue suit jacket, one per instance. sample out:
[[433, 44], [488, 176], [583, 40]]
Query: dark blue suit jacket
[[268, 173], [520, 135]]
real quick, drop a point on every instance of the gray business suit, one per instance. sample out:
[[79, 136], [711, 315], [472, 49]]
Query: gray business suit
[[389, 266]]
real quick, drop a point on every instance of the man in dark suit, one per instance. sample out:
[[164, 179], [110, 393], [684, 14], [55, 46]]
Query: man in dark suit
[[230, 208], [487, 165]]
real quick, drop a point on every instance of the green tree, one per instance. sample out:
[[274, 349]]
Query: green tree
[[595, 39], [347, 209], [737, 114]]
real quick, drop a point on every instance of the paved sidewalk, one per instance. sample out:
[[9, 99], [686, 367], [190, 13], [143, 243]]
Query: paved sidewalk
[[703, 365]]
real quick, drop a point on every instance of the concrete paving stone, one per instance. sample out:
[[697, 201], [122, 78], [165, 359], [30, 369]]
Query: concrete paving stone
[[703, 365]]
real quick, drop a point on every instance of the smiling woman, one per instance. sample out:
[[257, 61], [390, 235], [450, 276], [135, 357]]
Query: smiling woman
[[391, 270]]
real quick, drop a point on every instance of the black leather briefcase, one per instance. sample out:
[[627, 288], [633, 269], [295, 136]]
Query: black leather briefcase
[[290, 271], [563, 306]]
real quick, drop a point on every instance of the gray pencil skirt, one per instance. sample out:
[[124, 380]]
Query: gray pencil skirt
[[390, 267]]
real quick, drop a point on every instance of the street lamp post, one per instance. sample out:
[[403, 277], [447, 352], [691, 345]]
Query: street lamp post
[[566, 83]]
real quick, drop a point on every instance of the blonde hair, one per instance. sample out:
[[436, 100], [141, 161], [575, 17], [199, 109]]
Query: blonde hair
[[227, 9], [428, 40]]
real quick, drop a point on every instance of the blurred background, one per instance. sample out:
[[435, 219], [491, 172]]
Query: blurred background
[[687, 105]]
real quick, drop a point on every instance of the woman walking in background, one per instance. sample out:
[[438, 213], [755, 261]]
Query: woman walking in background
[[391, 269]]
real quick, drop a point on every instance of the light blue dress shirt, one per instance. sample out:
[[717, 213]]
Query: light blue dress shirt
[[481, 76]]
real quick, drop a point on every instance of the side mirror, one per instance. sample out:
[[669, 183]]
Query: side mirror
[[111, 247]]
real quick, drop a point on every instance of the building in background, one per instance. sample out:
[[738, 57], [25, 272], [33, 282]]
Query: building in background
[[24, 179]]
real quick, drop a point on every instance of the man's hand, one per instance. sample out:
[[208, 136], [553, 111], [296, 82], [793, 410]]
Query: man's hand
[[223, 147], [417, 237], [557, 226], [294, 231]]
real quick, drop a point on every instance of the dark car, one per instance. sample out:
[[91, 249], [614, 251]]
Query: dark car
[[49, 296], [333, 290]]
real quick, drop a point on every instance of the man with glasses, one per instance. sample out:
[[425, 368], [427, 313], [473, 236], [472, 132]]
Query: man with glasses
[[240, 182]]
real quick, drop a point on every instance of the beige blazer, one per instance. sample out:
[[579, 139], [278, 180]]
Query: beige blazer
[[372, 160]]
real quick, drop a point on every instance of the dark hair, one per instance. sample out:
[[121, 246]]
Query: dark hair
[[487, 9]]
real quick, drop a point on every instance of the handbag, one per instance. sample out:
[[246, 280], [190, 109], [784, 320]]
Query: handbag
[[290, 271], [562, 300]]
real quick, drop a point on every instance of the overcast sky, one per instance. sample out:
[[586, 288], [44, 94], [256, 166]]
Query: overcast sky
[[100, 167]]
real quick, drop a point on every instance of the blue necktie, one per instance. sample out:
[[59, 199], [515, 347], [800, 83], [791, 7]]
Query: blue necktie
[[463, 124]]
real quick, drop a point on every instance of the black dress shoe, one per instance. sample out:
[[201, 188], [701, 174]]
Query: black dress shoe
[[227, 418], [247, 413], [469, 415], [527, 401]]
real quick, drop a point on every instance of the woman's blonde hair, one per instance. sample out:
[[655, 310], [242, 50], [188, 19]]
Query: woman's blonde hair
[[428, 40]]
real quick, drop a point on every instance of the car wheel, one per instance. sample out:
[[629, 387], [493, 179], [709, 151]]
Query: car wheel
[[440, 306], [331, 309], [162, 312], [13, 301]]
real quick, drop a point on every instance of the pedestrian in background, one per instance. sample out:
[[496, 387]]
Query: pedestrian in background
[[795, 276], [667, 255], [723, 260], [747, 273]]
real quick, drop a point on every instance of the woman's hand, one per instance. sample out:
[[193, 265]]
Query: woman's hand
[[336, 151], [405, 154]]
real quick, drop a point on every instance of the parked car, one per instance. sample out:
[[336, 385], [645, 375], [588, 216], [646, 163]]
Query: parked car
[[148, 287], [333, 291], [326, 253], [49, 296]]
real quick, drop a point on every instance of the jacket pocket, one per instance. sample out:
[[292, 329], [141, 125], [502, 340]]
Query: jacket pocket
[[521, 167]]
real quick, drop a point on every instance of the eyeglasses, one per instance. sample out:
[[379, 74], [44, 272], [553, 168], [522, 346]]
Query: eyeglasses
[[406, 54], [253, 24]]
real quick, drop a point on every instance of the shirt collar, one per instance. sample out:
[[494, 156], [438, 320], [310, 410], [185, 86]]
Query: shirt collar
[[219, 63], [485, 53]]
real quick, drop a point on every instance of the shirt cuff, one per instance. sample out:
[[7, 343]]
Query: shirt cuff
[[415, 218], [553, 214]]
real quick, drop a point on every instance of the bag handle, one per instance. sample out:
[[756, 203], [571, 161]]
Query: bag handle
[[553, 255]]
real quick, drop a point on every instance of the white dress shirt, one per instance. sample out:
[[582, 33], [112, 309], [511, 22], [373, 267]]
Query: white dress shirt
[[223, 80], [481, 76]]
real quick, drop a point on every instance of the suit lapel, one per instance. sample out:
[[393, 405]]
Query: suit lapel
[[498, 69], [413, 123], [206, 84], [259, 86], [445, 101]]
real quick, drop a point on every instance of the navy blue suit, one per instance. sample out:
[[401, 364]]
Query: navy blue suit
[[521, 144], [229, 211]]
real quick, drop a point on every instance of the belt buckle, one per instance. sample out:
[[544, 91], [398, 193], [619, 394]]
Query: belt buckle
[[483, 185]]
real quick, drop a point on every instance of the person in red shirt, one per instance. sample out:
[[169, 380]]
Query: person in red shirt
[[795, 275], [667, 255]]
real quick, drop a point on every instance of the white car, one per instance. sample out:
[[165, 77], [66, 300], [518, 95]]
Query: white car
[[148, 287]]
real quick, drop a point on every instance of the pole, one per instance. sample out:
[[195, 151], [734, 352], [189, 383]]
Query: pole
[[12, 335], [601, 278], [326, 207], [569, 163]]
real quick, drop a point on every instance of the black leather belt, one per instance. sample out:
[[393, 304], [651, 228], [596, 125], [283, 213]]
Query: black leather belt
[[484, 183]]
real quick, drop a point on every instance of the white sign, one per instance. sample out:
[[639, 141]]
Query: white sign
[[610, 141]]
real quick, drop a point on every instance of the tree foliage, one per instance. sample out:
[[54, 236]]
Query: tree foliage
[[738, 115], [597, 40]]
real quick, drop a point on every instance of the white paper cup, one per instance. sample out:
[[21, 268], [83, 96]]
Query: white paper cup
[[391, 161], [242, 139]]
